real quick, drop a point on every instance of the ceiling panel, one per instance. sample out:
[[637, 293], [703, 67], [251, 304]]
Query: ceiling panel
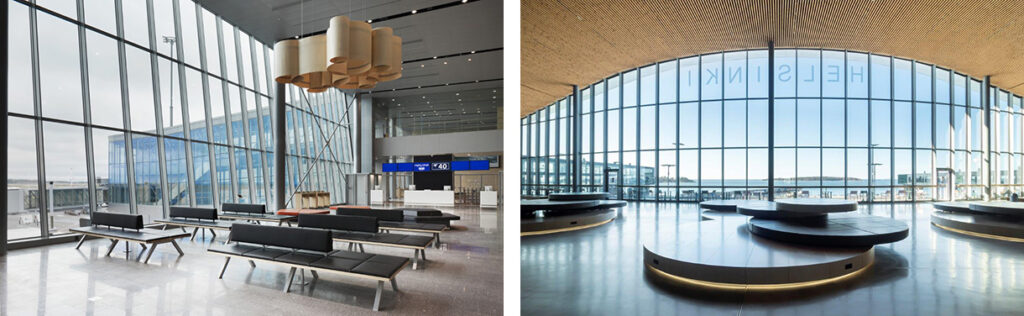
[[579, 42]]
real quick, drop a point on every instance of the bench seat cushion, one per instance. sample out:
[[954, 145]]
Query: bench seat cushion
[[381, 266], [192, 222], [143, 235], [336, 263], [300, 258], [257, 217], [384, 238], [266, 253], [233, 249], [409, 225]]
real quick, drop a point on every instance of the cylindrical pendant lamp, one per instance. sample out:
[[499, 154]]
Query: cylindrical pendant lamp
[[360, 48], [396, 61], [286, 62], [312, 58], [338, 45], [382, 49]]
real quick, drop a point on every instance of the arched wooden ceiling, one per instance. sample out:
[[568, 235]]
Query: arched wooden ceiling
[[566, 42]]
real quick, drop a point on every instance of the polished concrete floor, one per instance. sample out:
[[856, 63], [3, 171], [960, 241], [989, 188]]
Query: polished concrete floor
[[599, 271], [463, 277]]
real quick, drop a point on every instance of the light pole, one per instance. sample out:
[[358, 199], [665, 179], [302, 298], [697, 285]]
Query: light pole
[[170, 81]]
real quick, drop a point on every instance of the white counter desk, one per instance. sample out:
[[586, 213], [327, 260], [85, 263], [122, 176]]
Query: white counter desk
[[429, 197], [489, 199]]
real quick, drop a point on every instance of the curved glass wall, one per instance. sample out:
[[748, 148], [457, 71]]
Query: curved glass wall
[[847, 125], [172, 108]]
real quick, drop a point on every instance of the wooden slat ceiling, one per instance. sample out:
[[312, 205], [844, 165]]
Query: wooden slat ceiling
[[566, 42]]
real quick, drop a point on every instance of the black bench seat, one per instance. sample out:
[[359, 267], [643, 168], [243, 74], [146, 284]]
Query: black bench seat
[[363, 230], [127, 228], [395, 220], [253, 213], [306, 248], [198, 218]]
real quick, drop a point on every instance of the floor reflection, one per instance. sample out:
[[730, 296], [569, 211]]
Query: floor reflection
[[931, 272]]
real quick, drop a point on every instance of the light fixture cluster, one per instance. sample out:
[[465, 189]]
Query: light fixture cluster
[[350, 55]]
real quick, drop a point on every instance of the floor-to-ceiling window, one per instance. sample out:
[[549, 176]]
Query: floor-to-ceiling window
[[136, 106], [847, 125]]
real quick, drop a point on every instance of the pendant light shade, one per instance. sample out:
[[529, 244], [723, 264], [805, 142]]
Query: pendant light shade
[[396, 61], [338, 45], [349, 55], [360, 47], [382, 49], [312, 58], [286, 62]]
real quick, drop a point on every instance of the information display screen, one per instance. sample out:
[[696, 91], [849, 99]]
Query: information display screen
[[436, 166]]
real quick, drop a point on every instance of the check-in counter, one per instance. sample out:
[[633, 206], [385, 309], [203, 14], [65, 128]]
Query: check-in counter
[[429, 197], [377, 197], [489, 199]]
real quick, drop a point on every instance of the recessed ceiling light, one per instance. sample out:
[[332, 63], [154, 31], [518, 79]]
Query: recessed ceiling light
[[472, 52], [464, 1], [446, 63], [469, 59], [413, 11], [421, 65], [369, 21]]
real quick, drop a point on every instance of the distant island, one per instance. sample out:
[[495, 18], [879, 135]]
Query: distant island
[[814, 178]]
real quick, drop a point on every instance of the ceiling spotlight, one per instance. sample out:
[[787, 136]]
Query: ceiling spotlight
[[421, 65], [472, 52], [446, 63], [469, 59], [435, 57], [369, 21], [413, 11], [464, 1]]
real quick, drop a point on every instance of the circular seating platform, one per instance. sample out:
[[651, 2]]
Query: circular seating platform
[[981, 225], [530, 206], [566, 222], [721, 205], [953, 206], [578, 196], [723, 254], [816, 205], [767, 210], [998, 208], [566, 212], [841, 230]]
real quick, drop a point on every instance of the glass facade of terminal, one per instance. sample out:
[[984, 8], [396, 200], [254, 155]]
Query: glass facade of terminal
[[847, 124], [137, 106]]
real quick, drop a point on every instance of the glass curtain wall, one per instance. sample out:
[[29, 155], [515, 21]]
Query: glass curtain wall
[[847, 125], [136, 106]]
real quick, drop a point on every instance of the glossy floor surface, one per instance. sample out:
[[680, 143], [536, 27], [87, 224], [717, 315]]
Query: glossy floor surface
[[463, 277], [599, 271]]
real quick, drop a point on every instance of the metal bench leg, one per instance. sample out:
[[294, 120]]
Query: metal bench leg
[[361, 249], [423, 254], [315, 276], [143, 246], [194, 231], [394, 285], [376, 299], [80, 242], [164, 227], [281, 223], [415, 258], [112, 245], [183, 229], [437, 240], [291, 276], [213, 233], [175, 244], [252, 264], [151, 250], [225, 268]]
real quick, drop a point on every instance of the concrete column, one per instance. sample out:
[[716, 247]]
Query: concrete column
[[771, 120], [280, 147], [986, 130], [3, 130]]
